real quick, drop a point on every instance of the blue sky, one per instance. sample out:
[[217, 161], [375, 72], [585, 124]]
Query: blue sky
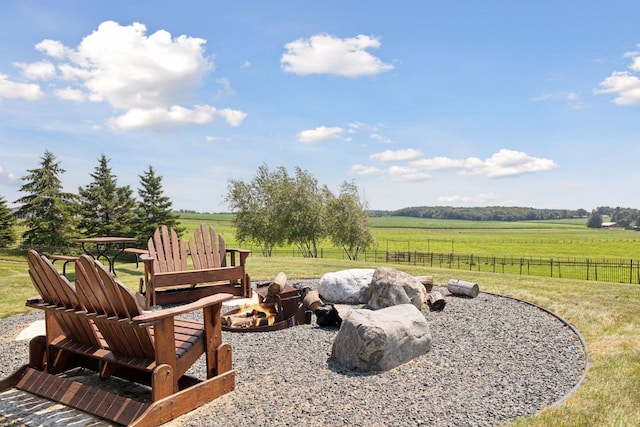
[[461, 103]]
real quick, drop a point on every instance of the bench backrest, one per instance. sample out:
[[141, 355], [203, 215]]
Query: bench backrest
[[111, 304], [168, 250], [207, 248]]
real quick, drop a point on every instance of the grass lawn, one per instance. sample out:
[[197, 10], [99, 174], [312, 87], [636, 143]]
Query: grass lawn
[[606, 314]]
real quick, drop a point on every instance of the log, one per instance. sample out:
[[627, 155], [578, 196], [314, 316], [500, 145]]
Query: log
[[238, 321], [235, 321], [328, 316], [460, 287], [312, 300], [427, 282], [278, 284], [436, 301]]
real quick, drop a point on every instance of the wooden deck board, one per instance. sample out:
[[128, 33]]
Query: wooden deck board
[[86, 398]]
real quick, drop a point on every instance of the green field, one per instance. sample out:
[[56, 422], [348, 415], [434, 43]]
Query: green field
[[561, 238], [606, 314]]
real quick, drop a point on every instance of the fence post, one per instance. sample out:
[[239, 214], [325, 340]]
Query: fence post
[[551, 263], [587, 268]]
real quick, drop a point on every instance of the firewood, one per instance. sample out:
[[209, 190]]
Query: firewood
[[460, 287], [427, 282], [242, 322], [278, 284], [436, 301], [312, 300], [328, 316]]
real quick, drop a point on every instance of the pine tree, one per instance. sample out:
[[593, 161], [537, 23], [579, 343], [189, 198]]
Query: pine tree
[[47, 210], [7, 224], [154, 208], [106, 209]]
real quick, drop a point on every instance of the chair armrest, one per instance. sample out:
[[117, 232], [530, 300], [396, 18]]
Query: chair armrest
[[244, 251], [186, 308], [243, 255]]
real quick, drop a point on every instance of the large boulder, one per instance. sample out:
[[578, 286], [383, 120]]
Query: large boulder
[[346, 286], [392, 287], [380, 340]]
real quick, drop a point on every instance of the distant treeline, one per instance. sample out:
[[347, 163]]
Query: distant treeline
[[488, 213], [622, 216]]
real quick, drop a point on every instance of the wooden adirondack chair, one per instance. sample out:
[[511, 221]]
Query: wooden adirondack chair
[[101, 327], [168, 277]]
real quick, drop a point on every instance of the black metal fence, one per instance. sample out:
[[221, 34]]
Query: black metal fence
[[605, 269], [602, 269]]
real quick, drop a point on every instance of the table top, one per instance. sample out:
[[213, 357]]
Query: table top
[[106, 240]]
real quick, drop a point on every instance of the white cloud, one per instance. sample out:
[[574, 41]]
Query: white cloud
[[396, 156], [363, 170], [502, 164], [210, 138], [571, 98], [41, 70], [380, 138], [6, 176], [512, 163], [325, 54], [149, 78], [403, 174], [130, 70], [319, 134], [226, 90], [165, 118], [480, 198], [438, 163], [15, 90], [53, 48], [624, 84], [233, 117], [70, 94]]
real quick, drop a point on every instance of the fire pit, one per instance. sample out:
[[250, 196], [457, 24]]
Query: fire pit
[[271, 313]]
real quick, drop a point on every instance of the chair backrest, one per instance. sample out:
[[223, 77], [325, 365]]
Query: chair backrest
[[207, 248], [168, 250], [56, 290], [105, 297]]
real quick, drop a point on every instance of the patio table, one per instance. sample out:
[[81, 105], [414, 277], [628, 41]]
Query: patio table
[[108, 248]]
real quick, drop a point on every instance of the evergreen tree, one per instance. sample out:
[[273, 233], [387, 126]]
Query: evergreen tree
[[7, 224], [47, 210], [153, 209], [106, 209]]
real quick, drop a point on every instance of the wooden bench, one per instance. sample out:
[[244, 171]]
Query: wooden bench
[[168, 278], [66, 258], [100, 327], [137, 252]]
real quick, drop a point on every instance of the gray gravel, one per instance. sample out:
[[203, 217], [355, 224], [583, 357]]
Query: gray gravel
[[493, 360]]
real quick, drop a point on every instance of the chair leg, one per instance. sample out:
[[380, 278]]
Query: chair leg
[[162, 382], [37, 353]]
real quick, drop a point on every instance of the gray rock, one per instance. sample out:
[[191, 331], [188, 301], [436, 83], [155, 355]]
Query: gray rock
[[346, 286], [381, 340], [391, 287]]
